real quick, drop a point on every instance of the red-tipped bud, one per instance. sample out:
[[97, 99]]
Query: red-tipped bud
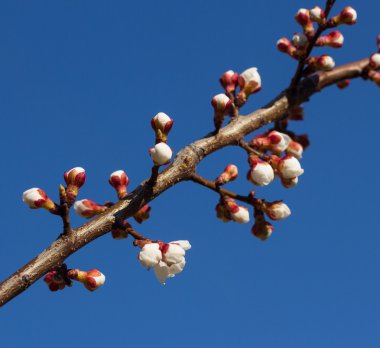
[[289, 167], [230, 173], [122, 231], [87, 208], [317, 15], [374, 61], [92, 279], [285, 46], [229, 81], [303, 19], [261, 173], [238, 213], [334, 39], [295, 149], [55, 281], [275, 141], [296, 113], [37, 198], [343, 84], [325, 63], [221, 104], [162, 124], [75, 179], [261, 229], [249, 83], [143, 214], [347, 16], [222, 212], [277, 210], [119, 181], [374, 76]]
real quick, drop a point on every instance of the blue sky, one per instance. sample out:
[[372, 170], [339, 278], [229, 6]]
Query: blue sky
[[79, 83]]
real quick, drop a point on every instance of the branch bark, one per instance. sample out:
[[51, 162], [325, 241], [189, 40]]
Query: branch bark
[[182, 168]]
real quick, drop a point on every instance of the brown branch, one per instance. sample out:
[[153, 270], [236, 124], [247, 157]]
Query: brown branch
[[181, 169]]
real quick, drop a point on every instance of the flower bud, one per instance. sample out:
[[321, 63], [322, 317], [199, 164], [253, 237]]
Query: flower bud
[[143, 214], [37, 198], [162, 124], [374, 76], [343, 84], [229, 81], [75, 179], [249, 82], [275, 141], [122, 231], [261, 229], [300, 41], [92, 279], [289, 183], [150, 255], [55, 281], [221, 104], [261, 173], [230, 173], [285, 46], [161, 154], [241, 215], [303, 19], [119, 181], [87, 208], [325, 63], [334, 39], [317, 15], [295, 149], [289, 167], [374, 61], [347, 16], [222, 212], [277, 210]]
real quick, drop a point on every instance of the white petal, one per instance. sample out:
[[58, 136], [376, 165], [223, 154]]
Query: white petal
[[184, 244], [150, 255], [161, 271]]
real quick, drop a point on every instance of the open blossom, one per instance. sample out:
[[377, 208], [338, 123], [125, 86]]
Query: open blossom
[[334, 39], [229, 81], [119, 181], [249, 82], [161, 154], [374, 61], [347, 16], [289, 167], [87, 208], [143, 214], [75, 179], [261, 172], [221, 104], [277, 210], [317, 15], [162, 124], [37, 198], [230, 173], [275, 142], [92, 279]]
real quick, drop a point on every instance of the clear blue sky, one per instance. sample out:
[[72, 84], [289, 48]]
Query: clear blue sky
[[79, 83]]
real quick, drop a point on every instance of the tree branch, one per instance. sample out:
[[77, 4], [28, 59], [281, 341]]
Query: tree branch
[[181, 169]]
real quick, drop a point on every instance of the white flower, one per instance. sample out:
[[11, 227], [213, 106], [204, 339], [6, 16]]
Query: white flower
[[150, 255], [161, 154], [241, 216], [277, 211], [261, 173], [289, 167]]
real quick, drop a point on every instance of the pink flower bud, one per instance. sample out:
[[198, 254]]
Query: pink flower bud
[[325, 63], [119, 181], [150, 255], [229, 81], [275, 141], [121, 232], [343, 84], [277, 210], [75, 179], [249, 82], [87, 208], [92, 279], [374, 76], [37, 198], [222, 212], [289, 167], [161, 154], [374, 61], [55, 281], [347, 16], [295, 149], [334, 39], [232, 211], [230, 173], [162, 124], [261, 229], [143, 214], [300, 41], [317, 15], [303, 19], [221, 104], [261, 173], [289, 183], [285, 46]]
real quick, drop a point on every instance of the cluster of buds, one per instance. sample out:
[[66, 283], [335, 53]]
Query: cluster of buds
[[161, 153], [57, 279], [228, 210], [119, 181], [143, 214], [230, 173], [92, 279], [274, 141], [87, 208], [167, 259]]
